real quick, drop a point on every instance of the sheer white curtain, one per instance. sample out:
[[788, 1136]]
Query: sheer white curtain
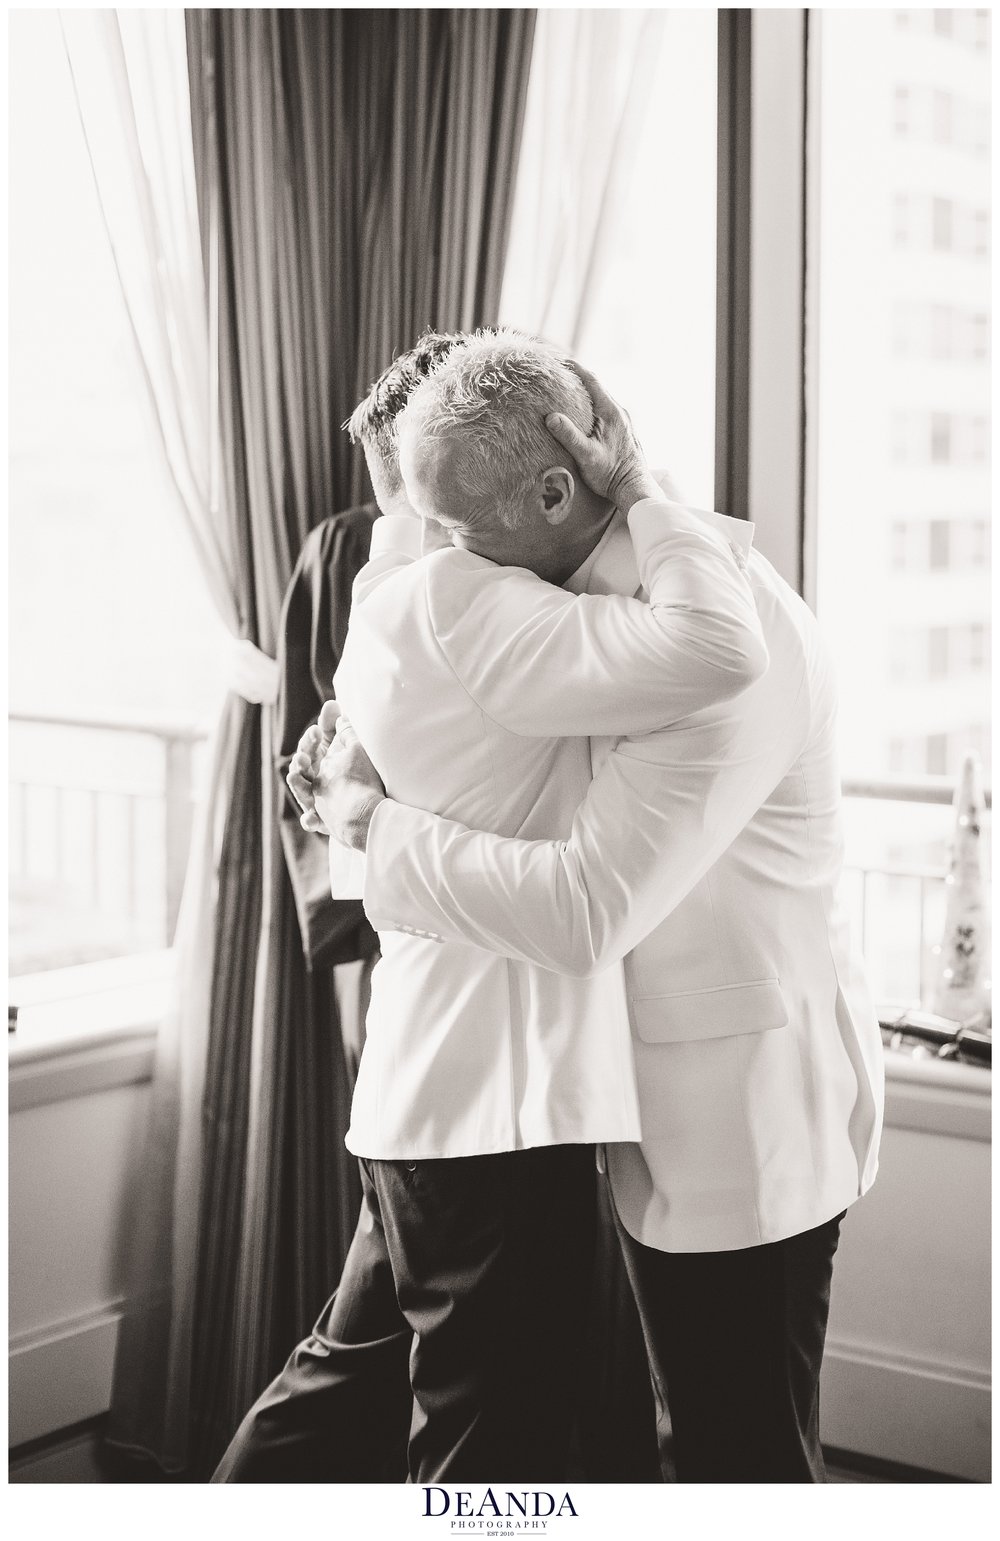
[[589, 96], [130, 76], [613, 239]]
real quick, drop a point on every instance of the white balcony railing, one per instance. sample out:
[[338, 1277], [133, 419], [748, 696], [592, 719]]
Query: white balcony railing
[[100, 822], [898, 836]]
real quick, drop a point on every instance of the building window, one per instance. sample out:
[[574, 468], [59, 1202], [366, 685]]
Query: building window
[[942, 331], [904, 663], [942, 122], [979, 439], [941, 438], [937, 754], [938, 652], [942, 224], [940, 545], [979, 544], [939, 332]]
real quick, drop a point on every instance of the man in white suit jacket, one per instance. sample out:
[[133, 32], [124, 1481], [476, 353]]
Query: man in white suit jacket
[[485, 1083], [706, 854]]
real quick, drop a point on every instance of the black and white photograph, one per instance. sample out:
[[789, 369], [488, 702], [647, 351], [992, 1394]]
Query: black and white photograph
[[499, 768]]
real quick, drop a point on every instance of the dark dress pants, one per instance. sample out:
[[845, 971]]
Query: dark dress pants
[[456, 1331], [735, 1344]]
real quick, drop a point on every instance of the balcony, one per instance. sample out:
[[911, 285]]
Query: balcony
[[897, 842], [100, 823]]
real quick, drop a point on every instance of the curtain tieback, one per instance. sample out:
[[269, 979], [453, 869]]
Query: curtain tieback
[[252, 674]]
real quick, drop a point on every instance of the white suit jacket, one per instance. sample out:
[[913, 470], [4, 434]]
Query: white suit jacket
[[472, 687], [707, 855]]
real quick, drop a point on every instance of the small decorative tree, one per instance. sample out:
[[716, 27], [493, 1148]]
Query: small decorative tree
[[962, 989]]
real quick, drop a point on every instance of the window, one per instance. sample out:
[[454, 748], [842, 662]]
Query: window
[[942, 224], [942, 331], [981, 30], [900, 537], [940, 545], [938, 652], [905, 665], [978, 647], [940, 438], [979, 439], [937, 754], [919, 655], [98, 814], [978, 548], [943, 109], [901, 406]]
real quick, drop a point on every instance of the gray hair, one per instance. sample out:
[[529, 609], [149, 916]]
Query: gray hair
[[488, 400]]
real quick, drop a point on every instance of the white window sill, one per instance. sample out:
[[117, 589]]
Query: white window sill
[[937, 1096], [93, 1027], [86, 1029]]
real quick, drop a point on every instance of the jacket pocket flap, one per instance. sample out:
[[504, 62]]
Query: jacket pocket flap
[[721, 1013]]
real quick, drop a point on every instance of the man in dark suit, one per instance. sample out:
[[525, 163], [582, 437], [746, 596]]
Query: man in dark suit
[[310, 642]]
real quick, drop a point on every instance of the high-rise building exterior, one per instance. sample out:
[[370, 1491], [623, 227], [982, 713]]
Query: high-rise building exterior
[[899, 332], [904, 383]]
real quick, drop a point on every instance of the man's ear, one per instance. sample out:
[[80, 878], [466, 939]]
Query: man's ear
[[557, 489]]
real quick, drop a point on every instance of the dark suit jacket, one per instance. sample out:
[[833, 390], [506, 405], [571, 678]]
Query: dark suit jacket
[[310, 641]]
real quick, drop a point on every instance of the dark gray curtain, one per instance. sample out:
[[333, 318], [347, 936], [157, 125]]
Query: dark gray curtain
[[355, 173]]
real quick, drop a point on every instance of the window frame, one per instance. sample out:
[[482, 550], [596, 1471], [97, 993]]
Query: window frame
[[766, 339], [768, 275], [762, 263]]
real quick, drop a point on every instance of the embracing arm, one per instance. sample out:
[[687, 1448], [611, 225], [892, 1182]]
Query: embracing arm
[[544, 663], [659, 813]]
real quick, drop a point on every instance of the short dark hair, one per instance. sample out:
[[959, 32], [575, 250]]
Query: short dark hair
[[373, 421]]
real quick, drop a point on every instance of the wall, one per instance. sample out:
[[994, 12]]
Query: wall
[[907, 1371], [78, 1105], [907, 1376]]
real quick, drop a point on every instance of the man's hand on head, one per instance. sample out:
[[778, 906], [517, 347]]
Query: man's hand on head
[[348, 789], [609, 458], [303, 770]]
